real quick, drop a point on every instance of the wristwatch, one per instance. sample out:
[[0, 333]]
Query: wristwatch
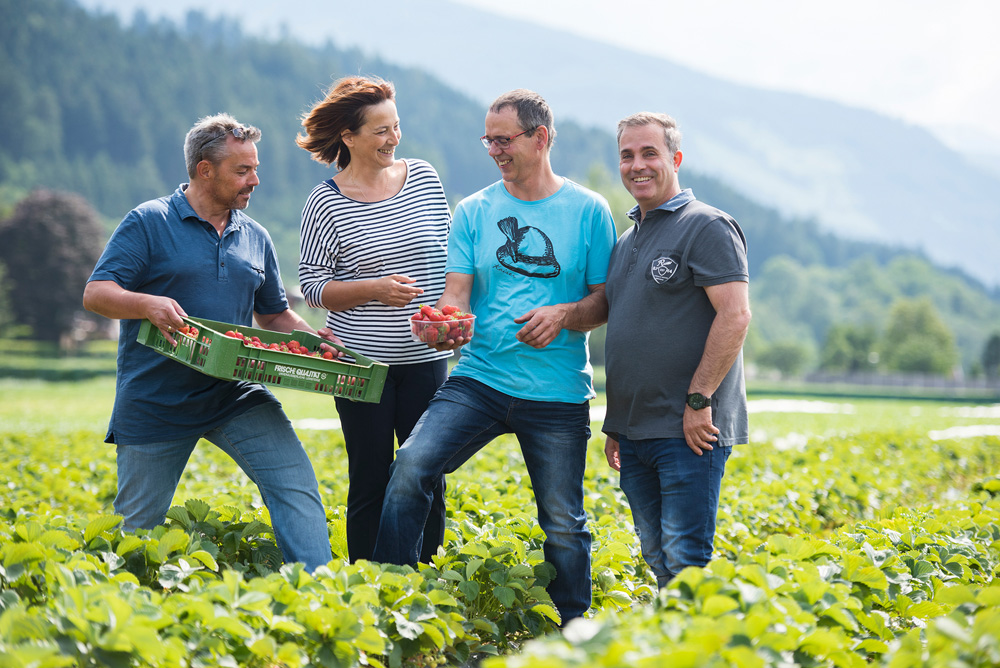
[[697, 401]]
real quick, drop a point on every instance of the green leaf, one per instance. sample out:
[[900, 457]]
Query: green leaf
[[990, 596], [17, 553], [198, 509], [505, 595], [841, 616], [406, 628], [369, 640], [232, 626], [435, 635], [548, 611], [925, 610], [441, 597], [717, 605], [476, 550], [870, 576], [265, 647], [485, 625], [955, 595], [180, 515], [820, 642], [128, 544], [921, 569], [521, 571], [281, 624], [874, 622], [473, 566], [469, 589], [206, 559], [254, 528], [873, 646], [952, 629], [174, 540]]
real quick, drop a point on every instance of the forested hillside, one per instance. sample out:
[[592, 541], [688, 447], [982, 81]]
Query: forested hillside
[[101, 109]]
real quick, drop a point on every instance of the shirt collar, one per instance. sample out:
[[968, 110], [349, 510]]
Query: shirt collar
[[185, 210], [677, 201]]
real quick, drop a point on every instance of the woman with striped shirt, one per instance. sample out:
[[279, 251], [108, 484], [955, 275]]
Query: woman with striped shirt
[[373, 247]]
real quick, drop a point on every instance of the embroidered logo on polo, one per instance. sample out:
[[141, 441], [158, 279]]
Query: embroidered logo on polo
[[528, 250], [662, 269]]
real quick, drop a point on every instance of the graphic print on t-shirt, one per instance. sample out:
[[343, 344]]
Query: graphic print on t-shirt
[[528, 250]]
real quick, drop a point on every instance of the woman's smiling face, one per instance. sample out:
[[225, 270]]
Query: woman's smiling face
[[375, 142]]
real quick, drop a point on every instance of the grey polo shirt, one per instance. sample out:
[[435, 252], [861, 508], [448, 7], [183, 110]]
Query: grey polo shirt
[[660, 316]]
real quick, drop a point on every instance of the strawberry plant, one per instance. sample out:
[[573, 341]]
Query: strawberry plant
[[850, 547]]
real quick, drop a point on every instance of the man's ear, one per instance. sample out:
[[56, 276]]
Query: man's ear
[[204, 169], [542, 134]]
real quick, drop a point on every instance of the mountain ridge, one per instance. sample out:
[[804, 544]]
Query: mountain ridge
[[857, 172]]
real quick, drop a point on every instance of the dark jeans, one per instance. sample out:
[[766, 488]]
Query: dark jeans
[[463, 418], [674, 496], [370, 431], [265, 446]]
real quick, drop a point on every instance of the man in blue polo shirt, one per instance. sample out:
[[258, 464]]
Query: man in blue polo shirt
[[195, 253]]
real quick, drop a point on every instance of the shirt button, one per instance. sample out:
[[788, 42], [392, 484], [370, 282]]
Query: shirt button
[[635, 250], [223, 264]]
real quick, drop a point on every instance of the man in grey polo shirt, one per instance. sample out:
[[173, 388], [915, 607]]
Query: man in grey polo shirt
[[195, 253], [679, 310]]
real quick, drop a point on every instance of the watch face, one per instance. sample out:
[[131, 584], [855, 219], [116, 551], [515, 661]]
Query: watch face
[[698, 401]]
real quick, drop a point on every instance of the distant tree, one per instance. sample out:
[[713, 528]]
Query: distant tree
[[788, 357], [917, 340], [849, 347], [6, 320], [601, 180], [991, 356], [49, 246]]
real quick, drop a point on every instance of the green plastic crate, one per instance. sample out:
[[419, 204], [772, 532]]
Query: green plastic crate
[[220, 356]]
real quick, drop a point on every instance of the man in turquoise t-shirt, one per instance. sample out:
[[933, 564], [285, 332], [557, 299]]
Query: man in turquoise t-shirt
[[528, 256]]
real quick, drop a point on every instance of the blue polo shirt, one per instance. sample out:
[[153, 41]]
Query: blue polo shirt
[[163, 247]]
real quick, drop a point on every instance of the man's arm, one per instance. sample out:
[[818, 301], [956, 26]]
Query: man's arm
[[543, 324], [287, 320], [723, 345], [457, 292], [109, 299]]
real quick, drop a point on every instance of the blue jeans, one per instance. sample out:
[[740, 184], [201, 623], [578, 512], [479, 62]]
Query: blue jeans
[[674, 497], [265, 446], [463, 417], [371, 432]]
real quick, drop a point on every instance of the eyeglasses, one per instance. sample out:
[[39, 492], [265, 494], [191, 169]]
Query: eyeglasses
[[503, 142], [239, 132]]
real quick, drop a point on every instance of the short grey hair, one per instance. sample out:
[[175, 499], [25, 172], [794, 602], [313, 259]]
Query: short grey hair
[[532, 111], [202, 141], [671, 135]]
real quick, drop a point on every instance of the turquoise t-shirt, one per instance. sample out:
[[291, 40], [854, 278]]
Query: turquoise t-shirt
[[523, 255]]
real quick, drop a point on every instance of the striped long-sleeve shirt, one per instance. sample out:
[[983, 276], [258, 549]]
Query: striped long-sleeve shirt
[[346, 240]]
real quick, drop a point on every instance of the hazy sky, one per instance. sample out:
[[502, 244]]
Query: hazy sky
[[930, 63]]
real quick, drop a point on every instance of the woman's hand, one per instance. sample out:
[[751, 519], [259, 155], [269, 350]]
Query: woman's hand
[[327, 333], [395, 290]]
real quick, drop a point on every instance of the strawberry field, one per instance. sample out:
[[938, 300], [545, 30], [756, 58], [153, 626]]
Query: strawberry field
[[852, 532]]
